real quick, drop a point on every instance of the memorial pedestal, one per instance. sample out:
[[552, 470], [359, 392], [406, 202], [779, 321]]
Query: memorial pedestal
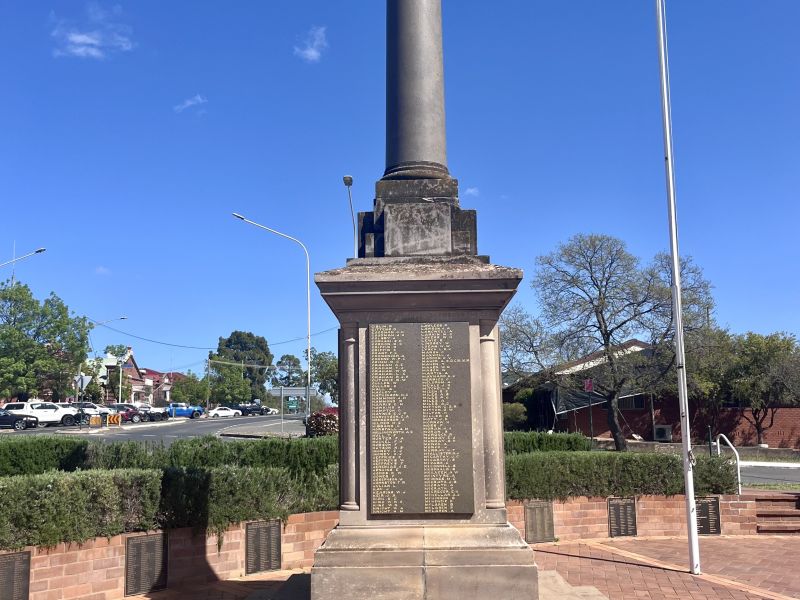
[[422, 472]]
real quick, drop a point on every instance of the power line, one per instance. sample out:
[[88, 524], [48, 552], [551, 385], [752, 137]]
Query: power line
[[187, 347]]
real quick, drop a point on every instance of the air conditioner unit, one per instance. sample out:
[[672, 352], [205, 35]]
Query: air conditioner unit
[[663, 433]]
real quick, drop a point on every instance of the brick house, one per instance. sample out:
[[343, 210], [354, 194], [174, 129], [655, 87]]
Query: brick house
[[641, 413]]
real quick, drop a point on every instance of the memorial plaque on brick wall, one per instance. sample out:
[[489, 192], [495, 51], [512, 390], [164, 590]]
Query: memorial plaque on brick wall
[[262, 546], [708, 516], [15, 575], [621, 517], [539, 522], [420, 446], [145, 564]]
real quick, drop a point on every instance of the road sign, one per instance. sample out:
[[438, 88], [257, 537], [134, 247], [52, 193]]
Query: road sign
[[588, 385]]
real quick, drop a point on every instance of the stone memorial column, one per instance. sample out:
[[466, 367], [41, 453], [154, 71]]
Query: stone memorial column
[[422, 472]]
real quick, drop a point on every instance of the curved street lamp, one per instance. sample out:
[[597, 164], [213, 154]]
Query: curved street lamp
[[308, 300], [19, 258]]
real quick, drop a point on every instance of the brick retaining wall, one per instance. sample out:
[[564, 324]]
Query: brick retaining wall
[[95, 570], [582, 517]]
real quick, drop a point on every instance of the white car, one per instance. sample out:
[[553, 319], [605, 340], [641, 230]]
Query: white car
[[92, 409], [48, 413], [224, 411]]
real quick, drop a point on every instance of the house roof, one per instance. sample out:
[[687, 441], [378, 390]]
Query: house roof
[[598, 358]]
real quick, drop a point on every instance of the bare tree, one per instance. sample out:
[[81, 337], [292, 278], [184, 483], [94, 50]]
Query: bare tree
[[595, 296]]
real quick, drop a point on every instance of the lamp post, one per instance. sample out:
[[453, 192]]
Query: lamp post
[[308, 301], [23, 257], [348, 183]]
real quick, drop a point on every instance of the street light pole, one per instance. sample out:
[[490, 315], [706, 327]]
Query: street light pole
[[677, 305], [308, 301], [348, 183], [19, 258]]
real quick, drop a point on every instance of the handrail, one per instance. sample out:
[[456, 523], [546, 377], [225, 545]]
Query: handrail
[[736, 453]]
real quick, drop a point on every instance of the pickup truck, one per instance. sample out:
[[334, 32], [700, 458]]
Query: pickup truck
[[182, 409]]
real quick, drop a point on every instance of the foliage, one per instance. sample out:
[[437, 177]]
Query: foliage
[[34, 454], [54, 507], [42, 345], [760, 372], [322, 423], [112, 384], [228, 384], [560, 475], [519, 442], [325, 373], [515, 416], [709, 358], [250, 349], [595, 296], [289, 372], [190, 389]]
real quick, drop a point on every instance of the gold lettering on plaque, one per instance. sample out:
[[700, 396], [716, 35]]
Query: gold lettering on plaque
[[390, 420]]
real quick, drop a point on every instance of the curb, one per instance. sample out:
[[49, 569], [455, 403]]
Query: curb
[[776, 465]]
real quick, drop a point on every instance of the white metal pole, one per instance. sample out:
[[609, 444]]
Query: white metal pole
[[677, 305], [308, 299]]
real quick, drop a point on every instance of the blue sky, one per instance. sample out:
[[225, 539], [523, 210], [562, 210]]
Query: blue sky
[[131, 131]]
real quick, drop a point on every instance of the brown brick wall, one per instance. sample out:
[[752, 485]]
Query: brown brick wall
[[585, 518], [785, 432], [95, 570]]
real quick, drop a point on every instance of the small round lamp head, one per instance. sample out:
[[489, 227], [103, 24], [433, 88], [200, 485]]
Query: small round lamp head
[[348, 180]]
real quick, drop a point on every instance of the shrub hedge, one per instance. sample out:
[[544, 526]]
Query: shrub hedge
[[31, 454], [54, 507], [559, 475], [520, 442]]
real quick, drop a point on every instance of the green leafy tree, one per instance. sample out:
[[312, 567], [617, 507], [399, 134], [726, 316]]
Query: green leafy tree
[[710, 355], [289, 372], [228, 384], [515, 416], [248, 349], [42, 345], [759, 377], [190, 389], [595, 296], [325, 373]]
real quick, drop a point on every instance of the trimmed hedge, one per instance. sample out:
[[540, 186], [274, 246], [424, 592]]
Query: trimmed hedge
[[300, 456], [560, 475], [46, 509], [54, 507], [520, 442], [32, 454]]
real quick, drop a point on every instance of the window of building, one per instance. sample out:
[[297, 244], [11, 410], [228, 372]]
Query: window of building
[[632, 402]]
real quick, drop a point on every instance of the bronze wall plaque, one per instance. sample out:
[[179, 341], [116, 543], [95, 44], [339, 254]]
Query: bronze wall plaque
[[420, 445], [15, 576], [145, 564], [262, 546], [708, 516], [539, 522], [621, 517]]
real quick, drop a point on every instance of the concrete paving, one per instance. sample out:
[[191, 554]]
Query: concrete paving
[[734, 568]]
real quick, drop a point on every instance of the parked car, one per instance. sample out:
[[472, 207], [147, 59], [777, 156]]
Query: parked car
[[128, 412], [153, 413], [181, 409], [224, 411], [18, 422], [47, 413], [268, 410], [92, 409]]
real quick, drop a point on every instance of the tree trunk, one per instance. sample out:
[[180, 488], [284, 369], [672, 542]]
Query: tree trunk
[[620, 443]]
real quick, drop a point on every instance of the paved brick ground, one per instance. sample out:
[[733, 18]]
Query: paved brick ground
[[655, 569], [734, 568]]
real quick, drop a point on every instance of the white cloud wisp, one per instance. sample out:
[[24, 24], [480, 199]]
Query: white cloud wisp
[[316, 41], [195, 100], [98, 37]]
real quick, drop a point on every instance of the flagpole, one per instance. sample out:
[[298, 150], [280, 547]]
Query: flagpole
[[677, 306]]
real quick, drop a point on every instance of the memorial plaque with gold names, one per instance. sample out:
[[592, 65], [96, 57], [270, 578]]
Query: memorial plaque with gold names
[[15, 575], [708, 516], [539, 522], [262, 546], [145, 564], [621, 517], [420, 419]]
